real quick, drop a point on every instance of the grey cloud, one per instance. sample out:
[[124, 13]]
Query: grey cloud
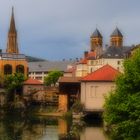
[[47, 25]]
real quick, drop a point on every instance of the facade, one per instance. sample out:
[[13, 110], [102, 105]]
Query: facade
[[95, 86], [97, 57], [38, 70], [32, 85], [12, 61], [82, 67], [97, 60]]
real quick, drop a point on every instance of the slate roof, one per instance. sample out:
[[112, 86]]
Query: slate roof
[[96, 33], [116, 32], [116, 52], [33, 59], [105, 73], [46, 66]]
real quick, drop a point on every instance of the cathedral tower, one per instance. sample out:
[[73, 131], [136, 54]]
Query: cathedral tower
[[96, 40], [12, 45], [116, 38]]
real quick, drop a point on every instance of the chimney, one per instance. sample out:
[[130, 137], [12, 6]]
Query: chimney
[[85, 54]]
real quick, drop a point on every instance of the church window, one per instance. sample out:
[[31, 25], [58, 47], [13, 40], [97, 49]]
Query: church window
[[20, 69], [7, 69]]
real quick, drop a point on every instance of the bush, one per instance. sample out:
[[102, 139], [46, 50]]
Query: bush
[[77, 107]]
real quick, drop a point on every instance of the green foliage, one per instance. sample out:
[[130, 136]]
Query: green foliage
[[13, 83], [52, 78], [77, 107], [122, 107]]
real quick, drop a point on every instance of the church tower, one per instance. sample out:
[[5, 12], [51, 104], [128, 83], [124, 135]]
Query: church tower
[[96, 40], [12, 45], [116, 38]]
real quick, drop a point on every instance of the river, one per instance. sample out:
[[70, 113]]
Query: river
[[42, 128]]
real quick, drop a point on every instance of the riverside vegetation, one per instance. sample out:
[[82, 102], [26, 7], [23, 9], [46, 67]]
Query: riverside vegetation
[[122, 107]]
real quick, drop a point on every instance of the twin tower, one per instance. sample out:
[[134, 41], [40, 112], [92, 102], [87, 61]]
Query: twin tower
[[96, 39]]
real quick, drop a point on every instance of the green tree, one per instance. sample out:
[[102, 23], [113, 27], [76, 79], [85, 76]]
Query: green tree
[[52, 78], [13, 83], [122, 107]]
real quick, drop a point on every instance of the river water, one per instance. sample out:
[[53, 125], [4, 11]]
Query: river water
[[42, 128]]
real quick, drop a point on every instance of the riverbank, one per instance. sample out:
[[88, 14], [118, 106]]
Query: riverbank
[[49, 114]]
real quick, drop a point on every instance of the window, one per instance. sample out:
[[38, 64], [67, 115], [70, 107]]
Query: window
[[38, 78], [38, 73], [108, 54], [118, 62], [92, 62], [7, 69], [91, 70], [20, 69], [93, 91]]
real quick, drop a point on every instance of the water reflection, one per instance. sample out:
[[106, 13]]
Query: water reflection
[[14, 128]]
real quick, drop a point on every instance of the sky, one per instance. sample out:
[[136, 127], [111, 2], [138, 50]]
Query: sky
[[61, 29]]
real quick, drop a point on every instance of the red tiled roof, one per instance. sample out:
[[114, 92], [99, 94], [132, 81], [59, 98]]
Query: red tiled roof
[[89, 55], [31, 81], [105, 73]]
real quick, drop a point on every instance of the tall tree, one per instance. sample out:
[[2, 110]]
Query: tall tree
[[122, 107], [52, 78]]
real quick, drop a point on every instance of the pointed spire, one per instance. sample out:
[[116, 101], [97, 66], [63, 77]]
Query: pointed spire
[[12, 23], [96, 33], [117, 32], [12, 45]]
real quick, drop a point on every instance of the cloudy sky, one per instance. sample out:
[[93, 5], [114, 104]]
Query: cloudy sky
[[57, 29]]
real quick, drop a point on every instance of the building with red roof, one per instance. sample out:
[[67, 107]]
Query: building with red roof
[[96, 85], [82, 66], [105, 73], [32, 85]]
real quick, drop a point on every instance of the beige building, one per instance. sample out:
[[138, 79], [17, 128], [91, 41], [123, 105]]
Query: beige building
[[95, 86]]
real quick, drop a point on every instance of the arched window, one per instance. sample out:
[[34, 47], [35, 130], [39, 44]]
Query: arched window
[[7, 69], [20, 69]]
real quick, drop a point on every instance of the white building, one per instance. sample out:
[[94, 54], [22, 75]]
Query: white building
[[95, 86], [38, 70]]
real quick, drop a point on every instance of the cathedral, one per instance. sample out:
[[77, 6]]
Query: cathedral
[[98, 55], [12, 61]]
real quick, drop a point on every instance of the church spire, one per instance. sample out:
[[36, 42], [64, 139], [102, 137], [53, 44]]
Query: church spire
[[12, 46], [12, 23]]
